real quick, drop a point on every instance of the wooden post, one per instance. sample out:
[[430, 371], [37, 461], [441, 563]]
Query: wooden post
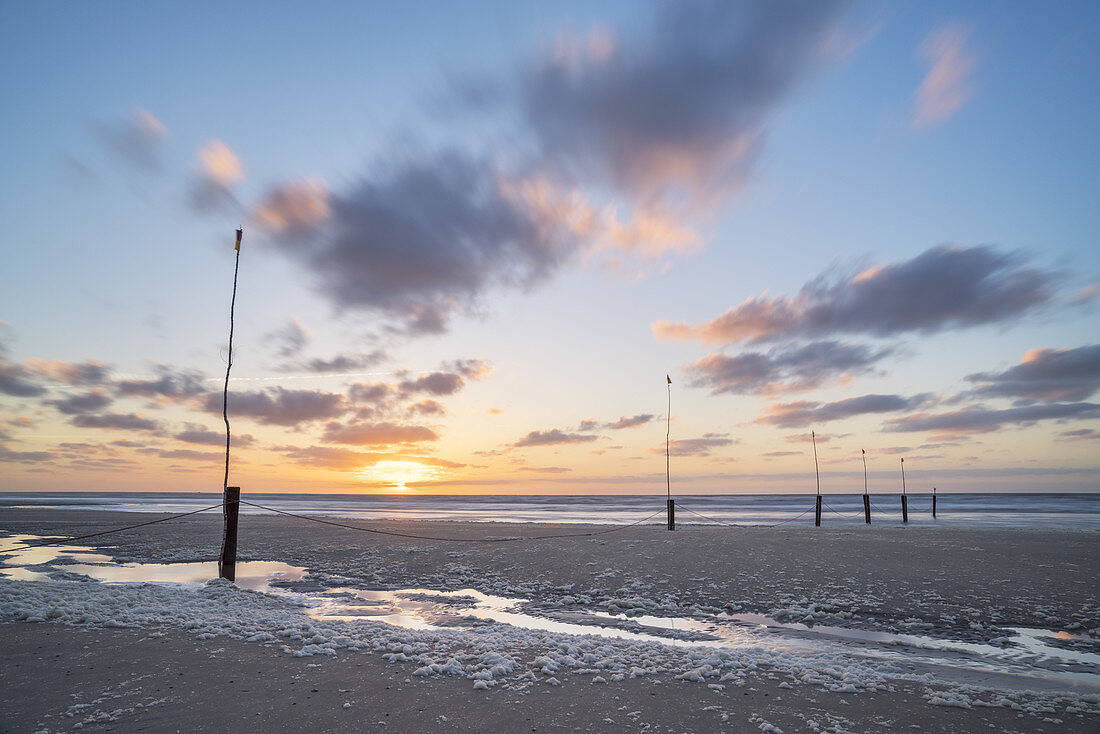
[[933, 503], [817, 513], [672, 514], [227, 563]]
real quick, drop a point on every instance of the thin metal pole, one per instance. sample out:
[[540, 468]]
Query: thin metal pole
[[229, 360], [904, 499], [817, 471], [669, 503], [668, 433], [866, 498]]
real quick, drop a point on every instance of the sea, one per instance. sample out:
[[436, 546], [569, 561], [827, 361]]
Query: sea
[[1068, 511]]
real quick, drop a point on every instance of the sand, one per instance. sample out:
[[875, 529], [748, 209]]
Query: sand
[[962, 584]]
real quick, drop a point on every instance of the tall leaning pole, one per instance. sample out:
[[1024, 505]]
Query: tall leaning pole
[[231, 496], [668, 472]]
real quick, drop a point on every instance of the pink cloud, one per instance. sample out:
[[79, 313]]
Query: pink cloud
[[294, 206], [947, 86]]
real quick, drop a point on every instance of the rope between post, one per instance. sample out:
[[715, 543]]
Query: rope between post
[[730, 525], [842, 514], [109, 532], [394, 533]]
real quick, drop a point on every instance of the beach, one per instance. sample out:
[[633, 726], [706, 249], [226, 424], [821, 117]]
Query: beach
[[701, 629]]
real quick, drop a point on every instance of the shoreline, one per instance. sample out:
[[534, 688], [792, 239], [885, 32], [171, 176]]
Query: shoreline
[[1032, 511], [970, 585]]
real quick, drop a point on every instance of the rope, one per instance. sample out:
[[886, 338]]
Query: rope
[[454, 540], [712, 519], [729, 525], [842, 514], [25, 546], [884, 512]]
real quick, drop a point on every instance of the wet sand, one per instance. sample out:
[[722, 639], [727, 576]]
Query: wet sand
[[965, 584]]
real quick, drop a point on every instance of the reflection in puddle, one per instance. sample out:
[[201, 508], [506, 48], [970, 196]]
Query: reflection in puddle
[[254, 575], [47, 553], [1035, 655]]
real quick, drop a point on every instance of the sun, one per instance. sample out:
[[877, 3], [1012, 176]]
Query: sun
[[398, 474]]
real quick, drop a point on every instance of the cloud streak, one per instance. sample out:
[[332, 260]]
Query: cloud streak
[[377, 434], [786, 369], [88, 402], [681, 111], [279, 406], [136, 141], [944, 287], [429, 237], [116, 422], [219, 170], [169, 385], [630, 422], [660, 125], [802, 414], [979, 419], [948, 85], [698, 447], [1045, 374], [552, 437]]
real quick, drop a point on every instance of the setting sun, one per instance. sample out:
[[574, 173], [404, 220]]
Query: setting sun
[[398, 473]]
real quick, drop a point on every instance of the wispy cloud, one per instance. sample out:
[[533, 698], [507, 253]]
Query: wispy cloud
[[197, 434], [137, 140], [630, 421], [783, 369], [948, 84], [979, 419], [185, 454], [803, 414], [17, 381], [87, 402], [170, 384], [290, 338], [700, 447], [70, 373], [377, 434], [279, 406], [552, 437], [659, 124], [425, 239], [294, 207], [681, 110], [1045, 374], [944, 287], [219, 170], [25, 457], [115, 421], [1079, 434]]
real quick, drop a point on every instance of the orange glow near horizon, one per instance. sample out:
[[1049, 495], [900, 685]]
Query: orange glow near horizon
[[398, 473]]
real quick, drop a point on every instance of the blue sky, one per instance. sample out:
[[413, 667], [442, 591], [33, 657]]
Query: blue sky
[[477, 236]]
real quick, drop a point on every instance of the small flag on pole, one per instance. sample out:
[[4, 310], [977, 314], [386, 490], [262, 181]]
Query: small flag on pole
[[240, 233], [669, 379]]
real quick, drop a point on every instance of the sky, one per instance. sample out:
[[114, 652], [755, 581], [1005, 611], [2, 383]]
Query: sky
[[479, 236]]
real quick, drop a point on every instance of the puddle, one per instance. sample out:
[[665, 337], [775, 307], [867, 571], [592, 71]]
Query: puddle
[[254, 575], [1037, 658], [48, 553]]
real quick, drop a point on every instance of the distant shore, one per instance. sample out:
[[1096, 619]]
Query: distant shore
[[964, 583]]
